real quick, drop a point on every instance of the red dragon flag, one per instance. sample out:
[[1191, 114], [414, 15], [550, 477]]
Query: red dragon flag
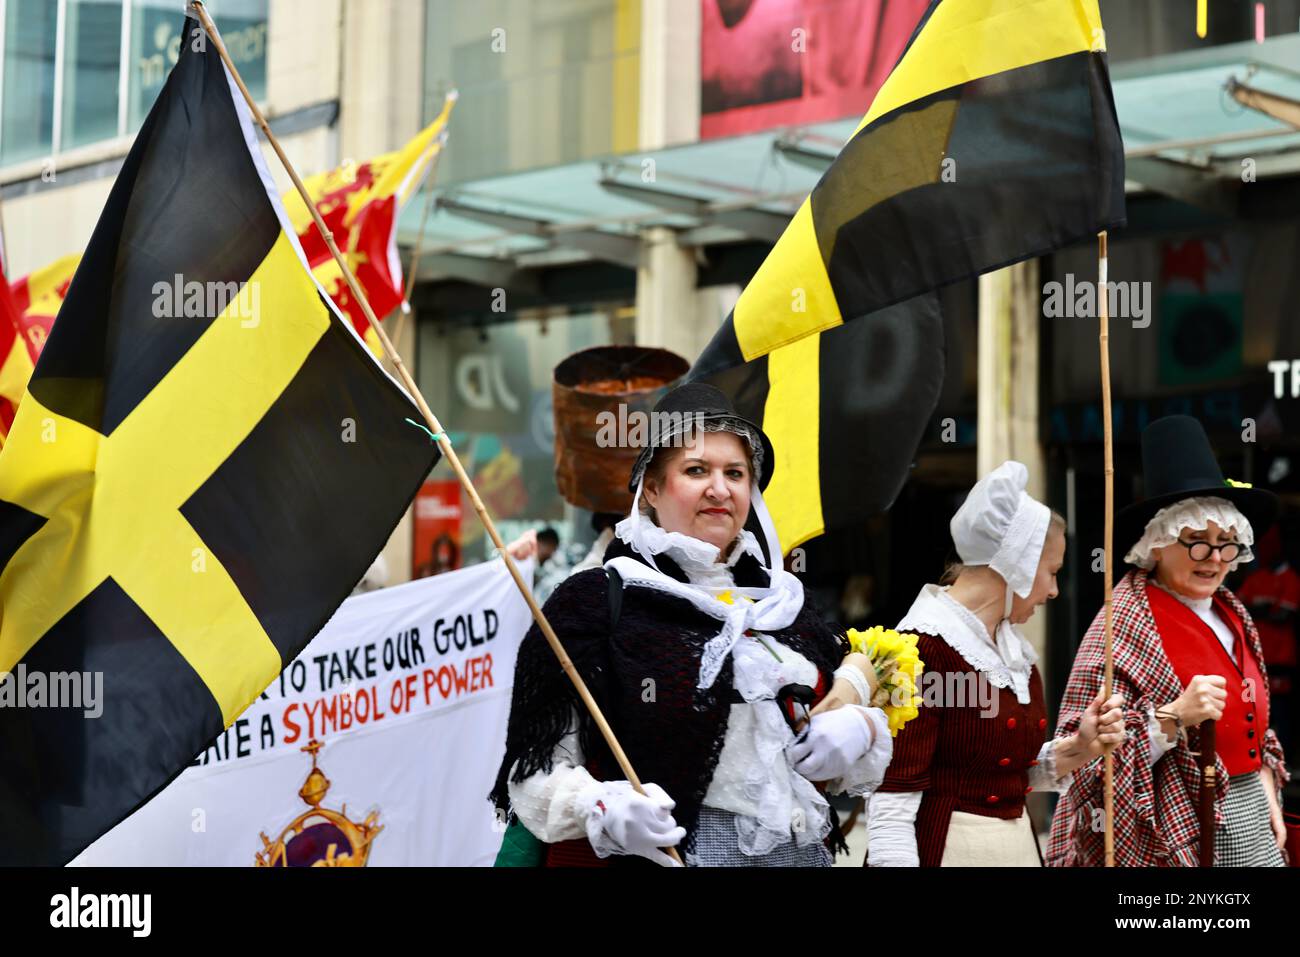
[[360, 205]]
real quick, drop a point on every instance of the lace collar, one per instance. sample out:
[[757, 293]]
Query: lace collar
[[700, 560], [1008, 663]]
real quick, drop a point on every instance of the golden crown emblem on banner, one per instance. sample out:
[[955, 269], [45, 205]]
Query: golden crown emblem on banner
[[320, 837]]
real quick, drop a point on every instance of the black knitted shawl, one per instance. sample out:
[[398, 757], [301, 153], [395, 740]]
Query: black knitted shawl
[[643, 676]]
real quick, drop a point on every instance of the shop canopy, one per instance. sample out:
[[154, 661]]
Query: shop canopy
[[1186, 135]]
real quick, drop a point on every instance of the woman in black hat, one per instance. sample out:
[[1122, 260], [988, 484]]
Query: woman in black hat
[[702, 654], [1185, 650]]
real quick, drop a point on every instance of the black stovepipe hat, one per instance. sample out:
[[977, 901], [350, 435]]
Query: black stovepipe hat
[[1178, 463]]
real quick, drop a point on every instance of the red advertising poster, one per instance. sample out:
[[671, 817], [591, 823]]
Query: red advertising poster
[[766, 63], [437, 546]]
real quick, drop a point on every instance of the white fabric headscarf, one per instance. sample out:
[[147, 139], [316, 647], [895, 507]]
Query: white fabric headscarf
[[771, 609]]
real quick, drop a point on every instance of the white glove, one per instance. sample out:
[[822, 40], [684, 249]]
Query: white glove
[[833, 743], [621, 821]]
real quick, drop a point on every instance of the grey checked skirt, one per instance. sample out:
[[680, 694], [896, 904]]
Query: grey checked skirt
[[1246, 838], [717, 845]]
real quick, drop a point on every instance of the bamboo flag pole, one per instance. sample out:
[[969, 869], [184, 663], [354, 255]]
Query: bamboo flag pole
[[4, 243], [418, 249], [448, 452], [1103, 300]]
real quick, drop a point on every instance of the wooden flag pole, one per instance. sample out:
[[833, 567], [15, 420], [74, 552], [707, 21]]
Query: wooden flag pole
[[418, 250], [1103, 300], [448, 452], [4, 243]]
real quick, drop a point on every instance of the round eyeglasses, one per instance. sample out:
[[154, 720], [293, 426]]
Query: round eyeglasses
[[1200, 551]]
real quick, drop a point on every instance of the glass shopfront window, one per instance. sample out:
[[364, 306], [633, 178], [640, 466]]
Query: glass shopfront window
[[91, 69], [27, 130], [59, 98], [491, 388], [539, 83]]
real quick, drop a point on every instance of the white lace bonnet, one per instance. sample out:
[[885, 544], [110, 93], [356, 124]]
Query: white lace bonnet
[[1166, 526]]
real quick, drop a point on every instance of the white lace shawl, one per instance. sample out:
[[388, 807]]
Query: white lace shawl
[[769, 609]]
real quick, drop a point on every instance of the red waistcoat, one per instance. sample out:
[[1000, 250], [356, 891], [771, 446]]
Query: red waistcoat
[[1194, 649]]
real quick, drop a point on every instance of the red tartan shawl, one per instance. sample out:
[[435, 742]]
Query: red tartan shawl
[[1155, 808]]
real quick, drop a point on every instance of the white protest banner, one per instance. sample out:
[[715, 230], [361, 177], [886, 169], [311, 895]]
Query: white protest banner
[[400, 703]]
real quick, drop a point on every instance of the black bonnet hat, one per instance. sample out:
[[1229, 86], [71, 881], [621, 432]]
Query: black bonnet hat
[[1178, 463], [693, 405]]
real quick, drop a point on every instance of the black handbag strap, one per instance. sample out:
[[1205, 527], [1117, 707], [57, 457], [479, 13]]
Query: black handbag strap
[[615, 597]]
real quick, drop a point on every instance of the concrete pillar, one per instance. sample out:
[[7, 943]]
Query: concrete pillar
[[665, 294], [303, 64], [1008, 408], [670, 312], [670, 73], [381, 71]]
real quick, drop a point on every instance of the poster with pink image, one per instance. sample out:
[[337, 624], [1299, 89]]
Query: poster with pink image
[[766, 63]]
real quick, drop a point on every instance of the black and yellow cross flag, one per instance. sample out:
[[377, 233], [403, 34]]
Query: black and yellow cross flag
[[205, 463], [993, 140]]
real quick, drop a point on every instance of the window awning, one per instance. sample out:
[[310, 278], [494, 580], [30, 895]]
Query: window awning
[[1184, 134]]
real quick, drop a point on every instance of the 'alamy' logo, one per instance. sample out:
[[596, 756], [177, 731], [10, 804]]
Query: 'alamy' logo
[[179, 299], [22, 688], [635, 429], [1080, 300], [103, 910]]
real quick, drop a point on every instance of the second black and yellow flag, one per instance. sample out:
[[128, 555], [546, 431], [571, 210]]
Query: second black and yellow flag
[[206, 461], [993, 140]]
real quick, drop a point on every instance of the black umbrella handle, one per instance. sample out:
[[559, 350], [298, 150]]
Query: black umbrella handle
[[1208, 787]]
